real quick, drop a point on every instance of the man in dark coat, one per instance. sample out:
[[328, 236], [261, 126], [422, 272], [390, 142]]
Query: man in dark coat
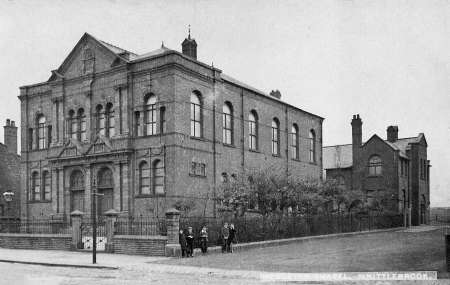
[[225, 236], [231, 238], [183, 244], [190, 242]]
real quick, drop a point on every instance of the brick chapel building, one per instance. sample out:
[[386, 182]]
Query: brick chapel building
[[9, 172], [147, 131], [394, 173]]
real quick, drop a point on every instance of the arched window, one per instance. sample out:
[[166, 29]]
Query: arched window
[[144, 178], [105, 178], [196, 115], [375, 165], [41, 132], [312, 146], [47, 183], [110, 130], [77, 191], [81, 125], [100, 120], [158, 177], [35, 187], [294, 141], [138, 125], [275, 136], [227, 123], [72, 125], [150, 115], [253, 130]]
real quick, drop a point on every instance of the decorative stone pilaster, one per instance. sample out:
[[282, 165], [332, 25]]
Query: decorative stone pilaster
[[111, 218], [76, 230], [173, 228]]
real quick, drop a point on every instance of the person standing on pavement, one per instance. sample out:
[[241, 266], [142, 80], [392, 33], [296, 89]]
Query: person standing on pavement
[[190, 242], [204, 240], [225, 236], [232, 238], [183, 244]]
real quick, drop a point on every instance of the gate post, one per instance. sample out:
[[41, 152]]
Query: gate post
[[76, 230], [111, 217], [173, 228]]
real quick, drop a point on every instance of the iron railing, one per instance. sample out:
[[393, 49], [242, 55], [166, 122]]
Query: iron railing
[[35, 226], [143, 226]]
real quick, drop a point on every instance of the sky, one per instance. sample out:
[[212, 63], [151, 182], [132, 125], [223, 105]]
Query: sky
[[387, 60]]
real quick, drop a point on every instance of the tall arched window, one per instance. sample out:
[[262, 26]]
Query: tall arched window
[[47, 183], [144, 178], [81, 125], [100, 120], [253, 130], [105, 187], [72, 125], [110, 130], [275, 136], [35, 187], [158, 177], [77, 191], [41, 132], [196, 115], [312, 146], [294, 141], [227, 123], [375, 165], [150, 115]]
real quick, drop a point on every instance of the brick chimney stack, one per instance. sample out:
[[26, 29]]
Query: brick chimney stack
[[189, 46], [392, 133], [10, 136], [356, 137]]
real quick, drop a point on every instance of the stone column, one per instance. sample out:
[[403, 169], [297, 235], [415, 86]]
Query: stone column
[[111, 217], [76, 230], [173, 228]]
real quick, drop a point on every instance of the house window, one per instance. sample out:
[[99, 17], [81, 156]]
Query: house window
[[375, 166], [158, 177], [275, 137], [35, 187], [162, 119], [253, 130], [138, 125], [41, 132], [144, 178], [198, 169], [312, 146], [72, 125], [100, 120], [82, 125], [77, 191], [294, 141], [110, 120], [227, 123], [47, 185], [150, 115], [196, 115]]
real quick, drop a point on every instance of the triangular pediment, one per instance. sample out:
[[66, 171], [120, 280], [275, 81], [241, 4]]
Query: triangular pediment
[[101, 144], [71, 148], [375, 139], [89, 56]]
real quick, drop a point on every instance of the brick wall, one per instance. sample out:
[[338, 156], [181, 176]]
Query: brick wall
[[140, 245], [35, 241]]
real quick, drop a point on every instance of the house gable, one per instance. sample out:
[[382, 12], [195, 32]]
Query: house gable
[[87, 57]]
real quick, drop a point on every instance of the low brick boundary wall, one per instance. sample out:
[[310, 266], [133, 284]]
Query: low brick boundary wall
[[140, 245], [35, 241]]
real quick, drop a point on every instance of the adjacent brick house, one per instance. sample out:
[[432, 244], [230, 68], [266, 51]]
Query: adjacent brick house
[[394, 173], [9, 171], [147, 131]]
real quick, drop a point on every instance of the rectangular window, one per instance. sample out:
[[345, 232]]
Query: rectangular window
[[37, 189], [227, 129], [145, 180], [159, 179], [73, 128], [101, 124], [196, 120], [83, 128], [252, 143], [294, 146], [111, 125], [47, 187], [275, 141], [198, 169], [150, 120], [41, 136]]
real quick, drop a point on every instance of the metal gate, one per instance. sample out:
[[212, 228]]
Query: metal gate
[[86, 230]]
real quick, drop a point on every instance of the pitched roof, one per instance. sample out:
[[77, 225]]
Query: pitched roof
[[337, 156]]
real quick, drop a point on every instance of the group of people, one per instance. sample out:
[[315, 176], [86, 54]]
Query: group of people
[[186, 239]]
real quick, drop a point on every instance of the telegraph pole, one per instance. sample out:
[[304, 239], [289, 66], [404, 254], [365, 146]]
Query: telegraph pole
[[94, 222]]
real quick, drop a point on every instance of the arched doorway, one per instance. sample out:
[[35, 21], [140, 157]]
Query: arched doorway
[[105, 189], [77, 191]]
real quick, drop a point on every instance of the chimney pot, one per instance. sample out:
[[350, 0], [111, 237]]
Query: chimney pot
[[392, 133], [13, 123], [7, 122]]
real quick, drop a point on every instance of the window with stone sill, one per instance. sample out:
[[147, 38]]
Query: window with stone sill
[[198, 169]]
